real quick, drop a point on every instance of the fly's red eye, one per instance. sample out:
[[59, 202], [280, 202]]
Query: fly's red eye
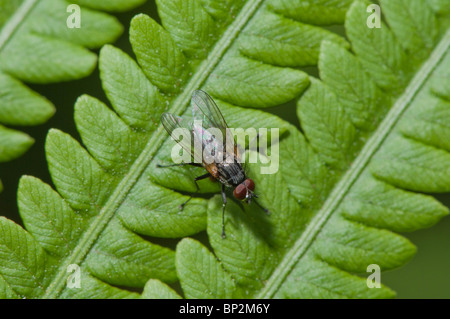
[[250, 184], [240, 192]]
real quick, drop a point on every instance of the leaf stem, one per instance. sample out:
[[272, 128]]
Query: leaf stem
[[15, 21], [124, 187], [302, 245]]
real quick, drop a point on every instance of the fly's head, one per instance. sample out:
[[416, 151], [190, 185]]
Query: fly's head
[[245, 190]]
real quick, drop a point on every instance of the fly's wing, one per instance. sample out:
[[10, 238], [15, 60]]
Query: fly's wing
[[181, 132], [204, 109]]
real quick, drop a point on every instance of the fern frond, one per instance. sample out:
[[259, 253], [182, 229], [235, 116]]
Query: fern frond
[[37, 46], [373, 140]]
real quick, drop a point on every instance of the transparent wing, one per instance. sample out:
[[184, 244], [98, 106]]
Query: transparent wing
[[204, 109], [181, 132]]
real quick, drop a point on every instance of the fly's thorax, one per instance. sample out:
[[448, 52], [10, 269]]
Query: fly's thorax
[[231, 174]]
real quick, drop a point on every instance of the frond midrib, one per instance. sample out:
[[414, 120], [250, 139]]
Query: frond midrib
[[14, 23], [123, 188], [339, 192]]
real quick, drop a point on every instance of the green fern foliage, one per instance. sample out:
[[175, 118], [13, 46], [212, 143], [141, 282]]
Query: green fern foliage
[[37, 46], [373, 141]]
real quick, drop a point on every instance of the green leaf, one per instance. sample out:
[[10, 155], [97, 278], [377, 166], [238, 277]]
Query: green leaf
[[78, 172], [441, 86], [8, 8], [233, 79], [46, 54], [304, 174], [189, 24], [54, 225], [317, 279], [402, 156], [287, 215], [364, 102], [352, 246], [37, 45], [378, 204], [116, 153], [23, 262], [110, 5], [223, 11], [440, 6], [377, 49], [328, 129], [37, 34], [161, 60], [155, 289], [131, 260], [92, 288], [203, 276], [244, 254], [50, 20], [21, 106], [119, 72], [405, 17], [155, 211], [346, 178], [320, 12], [13, 143], [269, 34]]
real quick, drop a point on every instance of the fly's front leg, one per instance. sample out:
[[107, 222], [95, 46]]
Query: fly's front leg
[[196, 191], [224, 197], [263, 208]]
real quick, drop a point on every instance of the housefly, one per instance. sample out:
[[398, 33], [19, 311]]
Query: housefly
[[218, 154]]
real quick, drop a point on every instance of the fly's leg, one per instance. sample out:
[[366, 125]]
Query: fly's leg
[[195, 180], [224, 197], [252, 198], [260, 206], [196, 191]]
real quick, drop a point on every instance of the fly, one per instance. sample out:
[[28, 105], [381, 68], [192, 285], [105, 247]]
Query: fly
[[223, 159]]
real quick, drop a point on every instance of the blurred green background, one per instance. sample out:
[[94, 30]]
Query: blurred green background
[[425, 276]]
